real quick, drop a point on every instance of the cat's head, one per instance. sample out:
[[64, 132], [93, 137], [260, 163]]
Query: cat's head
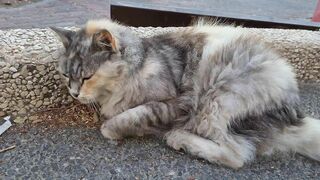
[[92, 66]]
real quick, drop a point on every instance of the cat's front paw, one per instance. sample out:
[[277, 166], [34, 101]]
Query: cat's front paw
[[174, 140], [108, 132]]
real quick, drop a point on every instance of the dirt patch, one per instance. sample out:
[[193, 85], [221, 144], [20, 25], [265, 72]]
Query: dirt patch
[[75, 115], [15, 3]]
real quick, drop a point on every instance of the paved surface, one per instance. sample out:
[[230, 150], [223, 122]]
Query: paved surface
[[53, 13], [82, 153]]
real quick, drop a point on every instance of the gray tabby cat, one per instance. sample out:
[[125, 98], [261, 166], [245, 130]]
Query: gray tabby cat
[[214, 91]]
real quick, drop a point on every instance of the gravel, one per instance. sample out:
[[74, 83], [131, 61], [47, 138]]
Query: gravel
[[82, 153]]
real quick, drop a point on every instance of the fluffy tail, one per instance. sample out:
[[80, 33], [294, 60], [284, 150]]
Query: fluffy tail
[[304, 139]]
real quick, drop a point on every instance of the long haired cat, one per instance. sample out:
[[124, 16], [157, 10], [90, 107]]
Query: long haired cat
[[214, 91]]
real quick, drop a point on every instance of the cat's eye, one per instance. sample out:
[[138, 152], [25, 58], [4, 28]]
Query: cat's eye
[[86, 78], [65, 75]]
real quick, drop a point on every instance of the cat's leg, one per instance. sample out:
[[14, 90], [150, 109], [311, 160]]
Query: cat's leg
[[212, 151], [239, 81], [302, 138], [148, 118]]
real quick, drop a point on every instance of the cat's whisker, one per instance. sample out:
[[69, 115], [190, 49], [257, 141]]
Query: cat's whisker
[[89, 105], [94, 107], [97, 109]]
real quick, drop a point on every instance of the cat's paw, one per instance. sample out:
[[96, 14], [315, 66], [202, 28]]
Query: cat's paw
[[109, 133], [175, 141]]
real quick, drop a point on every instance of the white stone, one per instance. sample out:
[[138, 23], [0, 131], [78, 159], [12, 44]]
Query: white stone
[[37, 47], [20, 120], [29, 87], [39, 103], [32, 94], [24, 71], [13, 69], [37, 92], [3, 64], [40, 67], [9, 90], [3, 105], [30, 33], [22, 111], [45, 90], [5, 76], [24, 93], [56, 77], [15, 75], [46, 48]]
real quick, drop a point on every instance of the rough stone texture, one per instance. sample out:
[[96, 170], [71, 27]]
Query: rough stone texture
[[29, 81], [300, 47], [82, 153]]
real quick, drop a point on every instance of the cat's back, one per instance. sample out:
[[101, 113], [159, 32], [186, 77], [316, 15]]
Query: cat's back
[[201, 39], [218, 35]]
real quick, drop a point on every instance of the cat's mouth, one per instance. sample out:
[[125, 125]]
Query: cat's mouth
[[84, 100]]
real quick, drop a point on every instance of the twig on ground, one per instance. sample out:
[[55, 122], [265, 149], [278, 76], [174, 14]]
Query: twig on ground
[[7, 148]]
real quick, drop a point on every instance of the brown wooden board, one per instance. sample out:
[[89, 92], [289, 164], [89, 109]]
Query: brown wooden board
[[291, 12]]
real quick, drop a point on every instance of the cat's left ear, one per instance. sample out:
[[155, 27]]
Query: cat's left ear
[[104, 40], [65, 35]]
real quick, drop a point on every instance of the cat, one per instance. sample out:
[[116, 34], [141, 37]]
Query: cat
[[215, 91]]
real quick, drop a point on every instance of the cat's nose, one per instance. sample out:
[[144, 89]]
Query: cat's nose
[[74, 94]]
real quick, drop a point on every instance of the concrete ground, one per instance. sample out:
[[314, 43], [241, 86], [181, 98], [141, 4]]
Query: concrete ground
[[45, 13], [82, 153]]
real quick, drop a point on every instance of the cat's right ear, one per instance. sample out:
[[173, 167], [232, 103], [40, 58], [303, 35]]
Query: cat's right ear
[[64, 35], [104, 40]]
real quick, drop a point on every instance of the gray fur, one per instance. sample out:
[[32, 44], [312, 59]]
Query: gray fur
[[231, 100]]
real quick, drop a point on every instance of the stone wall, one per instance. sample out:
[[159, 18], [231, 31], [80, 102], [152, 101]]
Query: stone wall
[[29, 81]]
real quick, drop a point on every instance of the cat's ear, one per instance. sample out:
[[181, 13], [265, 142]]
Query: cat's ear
[[64, 35], [104, 40]]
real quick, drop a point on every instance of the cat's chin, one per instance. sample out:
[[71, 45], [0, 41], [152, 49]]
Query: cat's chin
[[84, 101]]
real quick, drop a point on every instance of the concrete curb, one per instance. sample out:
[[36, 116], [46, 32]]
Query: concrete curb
[[29, 81]]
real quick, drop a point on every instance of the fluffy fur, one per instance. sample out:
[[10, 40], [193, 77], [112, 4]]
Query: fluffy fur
[[215, 91]]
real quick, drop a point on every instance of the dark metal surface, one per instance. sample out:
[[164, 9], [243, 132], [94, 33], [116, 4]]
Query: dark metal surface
[[292, 12]]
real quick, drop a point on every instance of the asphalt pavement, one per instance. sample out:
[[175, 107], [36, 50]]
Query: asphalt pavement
[[82, 153]]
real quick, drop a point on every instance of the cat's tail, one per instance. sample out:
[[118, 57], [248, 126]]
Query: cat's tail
[[303, 139]]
